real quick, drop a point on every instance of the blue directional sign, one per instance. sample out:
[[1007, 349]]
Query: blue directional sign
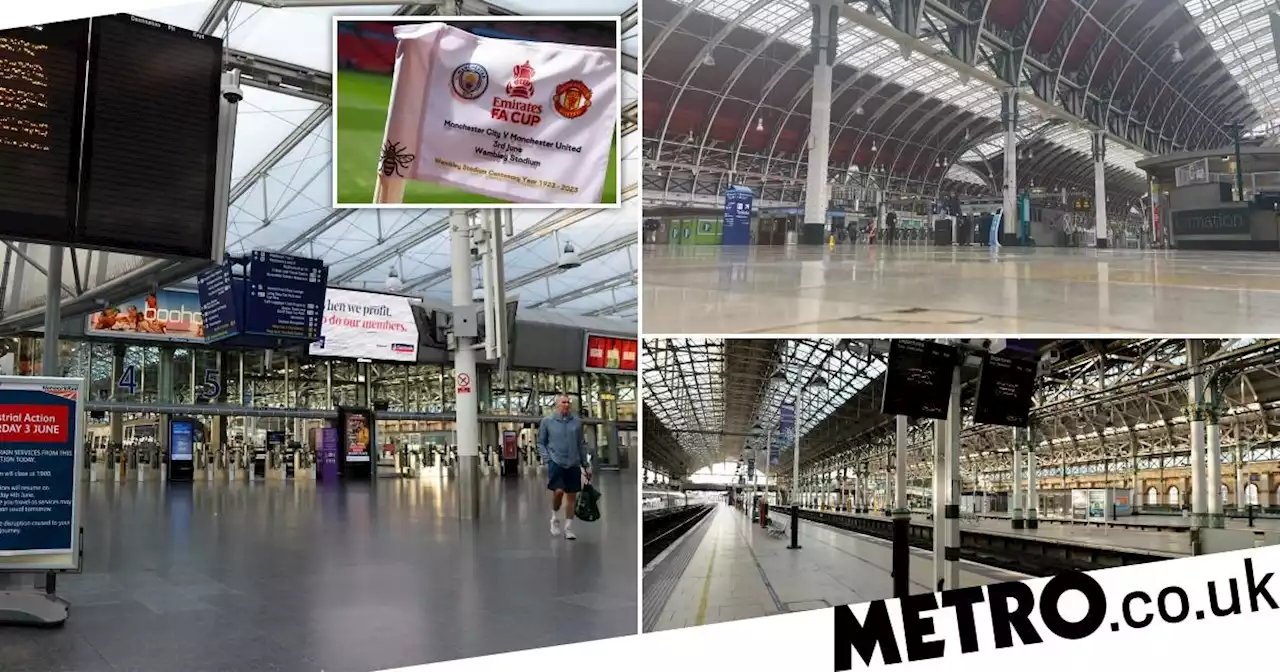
[[737, 216], [786, 431], [218, 303], [285, 296]]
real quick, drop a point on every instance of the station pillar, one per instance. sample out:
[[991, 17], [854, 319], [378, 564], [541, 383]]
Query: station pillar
[[901, 515], [1015, 506], [467, 401], [1195, 401], [952, 511], [1009, 122], [1033, 501], [1213, 478], [939, 504], [1100, 186], [825, 42]]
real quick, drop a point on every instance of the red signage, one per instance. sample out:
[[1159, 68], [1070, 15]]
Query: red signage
[[20, 423], [509, 447], [611, 354], [464, 384]]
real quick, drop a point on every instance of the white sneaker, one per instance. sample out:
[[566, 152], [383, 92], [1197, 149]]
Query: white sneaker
[[568, 533], [555, 525]]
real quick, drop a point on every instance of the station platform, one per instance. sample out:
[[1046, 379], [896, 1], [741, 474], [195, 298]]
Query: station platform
[[922, 288], [729, 569], [300, 576]]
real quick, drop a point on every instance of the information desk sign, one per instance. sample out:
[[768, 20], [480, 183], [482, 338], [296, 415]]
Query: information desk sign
[[285, 296], [1005, 387], [40, 453], [918, 380]]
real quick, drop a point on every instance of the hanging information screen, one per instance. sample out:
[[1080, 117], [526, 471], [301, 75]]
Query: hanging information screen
[[217, 303], [286, 296], [918, 380], [128, 163], [40, 450], [1005, 387]]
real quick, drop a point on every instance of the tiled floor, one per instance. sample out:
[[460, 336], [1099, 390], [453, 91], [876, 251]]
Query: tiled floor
[[278, 576], [925, 289], [739, 571]]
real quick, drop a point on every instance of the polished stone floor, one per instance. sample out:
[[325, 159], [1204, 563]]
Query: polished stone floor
[[925, 289], [278, 576]]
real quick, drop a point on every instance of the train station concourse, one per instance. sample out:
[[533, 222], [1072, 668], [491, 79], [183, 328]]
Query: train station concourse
[[277, 435], [785, 475], [911, 166]]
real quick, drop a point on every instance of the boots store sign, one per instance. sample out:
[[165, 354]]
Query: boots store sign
[[1227, 221]]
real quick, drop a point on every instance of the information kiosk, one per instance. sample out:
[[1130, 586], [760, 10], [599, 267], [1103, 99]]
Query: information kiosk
[[182, 437], [41, 448]]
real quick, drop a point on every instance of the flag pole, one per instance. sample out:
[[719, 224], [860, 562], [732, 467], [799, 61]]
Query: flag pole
[[389, 189]]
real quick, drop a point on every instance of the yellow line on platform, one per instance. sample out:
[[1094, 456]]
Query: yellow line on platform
[[706, 585]]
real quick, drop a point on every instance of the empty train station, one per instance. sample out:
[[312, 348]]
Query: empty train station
[[1046, 166], [787, 475]]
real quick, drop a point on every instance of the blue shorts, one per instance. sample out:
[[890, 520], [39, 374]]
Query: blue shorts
[[568, 479]]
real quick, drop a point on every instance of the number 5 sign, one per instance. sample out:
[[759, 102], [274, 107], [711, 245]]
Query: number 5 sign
[[464, 383]]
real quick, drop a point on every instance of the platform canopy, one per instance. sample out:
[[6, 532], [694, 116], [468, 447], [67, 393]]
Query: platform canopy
[[282, 181], [916, 107]]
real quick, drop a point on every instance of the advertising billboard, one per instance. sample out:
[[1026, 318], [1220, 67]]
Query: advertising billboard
[[166, 315], [367, 325], [610, 354]]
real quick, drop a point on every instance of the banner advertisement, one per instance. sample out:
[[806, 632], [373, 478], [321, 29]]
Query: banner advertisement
[[529, 122], [357, 438], [610, 354], [786, 428], [165, 315], [40, 449], [367, 325]]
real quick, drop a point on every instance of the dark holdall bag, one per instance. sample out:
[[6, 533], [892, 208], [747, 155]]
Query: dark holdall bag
[[588, 508]]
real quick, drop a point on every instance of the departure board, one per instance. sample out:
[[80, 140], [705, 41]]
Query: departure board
[[918, 379], [41, 110], [1005, 389], [151, 138]]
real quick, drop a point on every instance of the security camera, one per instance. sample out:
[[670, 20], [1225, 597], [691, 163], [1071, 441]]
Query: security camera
[[991, 345], [232, 93], [568, 258], [1052, 356]]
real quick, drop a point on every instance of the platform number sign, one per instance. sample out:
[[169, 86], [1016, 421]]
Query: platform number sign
[[129, 379], [212, 386]]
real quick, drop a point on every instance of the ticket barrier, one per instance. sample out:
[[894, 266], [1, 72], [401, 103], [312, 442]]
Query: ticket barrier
[[304, 468], [259, 470], [149, 466]]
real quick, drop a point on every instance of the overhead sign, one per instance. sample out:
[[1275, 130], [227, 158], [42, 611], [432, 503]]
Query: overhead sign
[[367, 325], [40, 457], [88, 166], [1196, 172], [610, 354], [917, 383], [218, 303], [529, 122], [1005, 389], [165, 315], [1222, 221], [737, 216], [285, 296], [1082, 204]]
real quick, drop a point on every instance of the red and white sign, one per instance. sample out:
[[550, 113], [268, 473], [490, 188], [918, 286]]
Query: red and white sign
[[527, 122], [23, 423], [367, 325], [610, 354], [464, 384]]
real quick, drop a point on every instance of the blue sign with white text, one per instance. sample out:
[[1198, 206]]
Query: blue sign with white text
[[285, 296], [38, 429], [737, 216], [786, 428], [218, 303], [181, 440]]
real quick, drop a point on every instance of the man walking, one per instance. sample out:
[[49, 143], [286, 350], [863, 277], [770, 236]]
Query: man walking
[[563, 447]]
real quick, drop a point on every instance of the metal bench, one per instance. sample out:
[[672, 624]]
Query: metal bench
[[779, 525]]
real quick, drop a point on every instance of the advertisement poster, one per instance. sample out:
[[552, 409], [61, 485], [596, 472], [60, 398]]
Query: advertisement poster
[[367, 325], [610, 354], [509, 447], [530, 122], [164, 315], [38, 465], [357, 438], [1097, 505], [328, 454], [1080, 504]]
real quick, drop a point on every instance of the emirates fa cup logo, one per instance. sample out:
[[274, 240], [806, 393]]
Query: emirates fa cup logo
[[521, 84]]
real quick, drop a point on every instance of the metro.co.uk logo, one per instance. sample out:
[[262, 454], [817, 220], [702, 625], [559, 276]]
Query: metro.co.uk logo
[[1005, 614]]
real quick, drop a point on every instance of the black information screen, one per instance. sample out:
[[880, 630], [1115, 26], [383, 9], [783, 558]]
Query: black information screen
[[41, 93], [151, 138], [1005, 388], [918, 380]]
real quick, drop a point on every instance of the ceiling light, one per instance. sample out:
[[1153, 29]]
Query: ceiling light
[[760, 125], [1176, 57], [779, 376], [709, 61], [393, 283], [873, 145], [818, 382], [859, 110]]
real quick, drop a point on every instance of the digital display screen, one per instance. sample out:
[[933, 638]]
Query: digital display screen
[[1005, 389], [918, 379], [610, 354], [128, 162], [286, 296], [151, 138], [41, 112]]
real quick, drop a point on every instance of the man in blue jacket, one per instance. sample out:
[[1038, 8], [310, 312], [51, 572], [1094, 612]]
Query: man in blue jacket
[[563, 447]]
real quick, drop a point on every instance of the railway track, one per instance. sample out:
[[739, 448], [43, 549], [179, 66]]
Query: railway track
[[664, 526]]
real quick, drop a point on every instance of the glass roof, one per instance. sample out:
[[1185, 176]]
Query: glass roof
[[1240, 32], [684, 385], [877, 55], [288, 206]]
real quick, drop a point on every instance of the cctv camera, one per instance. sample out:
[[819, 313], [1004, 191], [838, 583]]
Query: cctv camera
[[232, 93], [1052, 356], [569, 258]]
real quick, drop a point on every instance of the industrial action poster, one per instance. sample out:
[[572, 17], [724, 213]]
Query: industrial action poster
[[529, 122]]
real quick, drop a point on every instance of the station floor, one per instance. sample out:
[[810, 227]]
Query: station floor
[[868, 289], [738, 571], [284, 576]]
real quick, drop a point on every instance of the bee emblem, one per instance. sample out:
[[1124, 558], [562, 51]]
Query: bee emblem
[[394, 157]]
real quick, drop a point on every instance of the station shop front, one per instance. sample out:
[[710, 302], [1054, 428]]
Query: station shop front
[[264, 410]]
